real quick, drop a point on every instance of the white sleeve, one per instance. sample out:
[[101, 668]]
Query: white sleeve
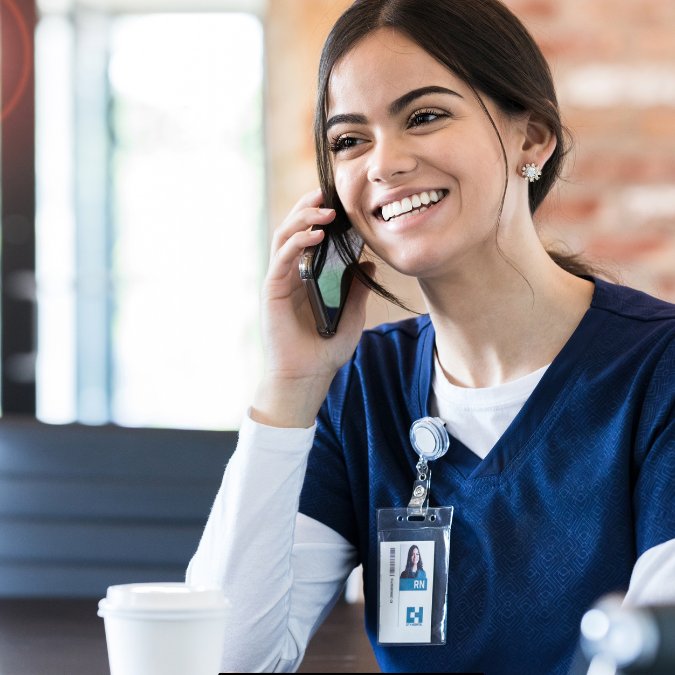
[[653, 578], [281, 570]]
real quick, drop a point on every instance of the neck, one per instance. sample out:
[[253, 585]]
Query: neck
[[494, 323]]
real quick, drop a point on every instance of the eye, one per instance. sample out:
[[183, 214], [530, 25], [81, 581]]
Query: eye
[[421, 117], [344, 143]]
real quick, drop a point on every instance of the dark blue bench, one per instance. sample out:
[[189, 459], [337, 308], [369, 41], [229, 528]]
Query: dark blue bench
[[83, 507]]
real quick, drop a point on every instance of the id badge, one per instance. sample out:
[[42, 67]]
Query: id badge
[[413, 562]]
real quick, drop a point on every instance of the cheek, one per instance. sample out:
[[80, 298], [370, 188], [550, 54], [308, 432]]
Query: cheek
[[349, 186], [470, 159]]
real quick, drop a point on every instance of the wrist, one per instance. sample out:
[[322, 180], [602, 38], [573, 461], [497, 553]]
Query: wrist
[[289, 403]]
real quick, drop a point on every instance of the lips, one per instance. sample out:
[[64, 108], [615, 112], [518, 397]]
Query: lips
[[412, 205]]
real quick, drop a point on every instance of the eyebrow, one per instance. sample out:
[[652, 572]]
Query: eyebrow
[[400, 103], [349, 118], [394, 108]]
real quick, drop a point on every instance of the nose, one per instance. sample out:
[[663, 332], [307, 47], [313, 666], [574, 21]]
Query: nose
[[390, 160]]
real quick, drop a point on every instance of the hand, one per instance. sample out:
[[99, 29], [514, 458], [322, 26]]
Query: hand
[[299, 363]]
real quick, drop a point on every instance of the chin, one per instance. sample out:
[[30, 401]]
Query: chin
[[424, 251], [417, 262]]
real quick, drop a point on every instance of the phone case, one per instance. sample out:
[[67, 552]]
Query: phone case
[[324, 325]]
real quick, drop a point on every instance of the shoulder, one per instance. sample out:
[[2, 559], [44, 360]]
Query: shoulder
[[399, 335], [392, 351], [637, 328], [632, 304], [384, 365], [395, 347], [635, 358]]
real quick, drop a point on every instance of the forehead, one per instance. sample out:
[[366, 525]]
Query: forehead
[[384, 66]]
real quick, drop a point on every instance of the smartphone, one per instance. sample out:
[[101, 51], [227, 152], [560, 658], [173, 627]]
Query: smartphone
[[327, 280]]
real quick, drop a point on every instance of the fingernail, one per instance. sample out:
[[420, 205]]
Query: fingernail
[[325, 212], [316, 233]]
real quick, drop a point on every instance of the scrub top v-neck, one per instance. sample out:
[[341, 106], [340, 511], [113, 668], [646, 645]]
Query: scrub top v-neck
[[532, 414], [580, 484], [479, 416]]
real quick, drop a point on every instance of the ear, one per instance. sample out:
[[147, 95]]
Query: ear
[[539, 141]]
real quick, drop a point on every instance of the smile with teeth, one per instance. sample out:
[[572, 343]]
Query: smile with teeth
[[410, 206]]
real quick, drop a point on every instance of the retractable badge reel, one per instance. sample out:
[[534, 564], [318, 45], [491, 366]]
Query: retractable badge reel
[[414, 553]]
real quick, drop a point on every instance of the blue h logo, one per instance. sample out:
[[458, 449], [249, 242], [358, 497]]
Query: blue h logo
[[413, 617]]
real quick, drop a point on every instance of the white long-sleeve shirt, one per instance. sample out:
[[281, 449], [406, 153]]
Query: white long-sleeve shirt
[[284, 571]]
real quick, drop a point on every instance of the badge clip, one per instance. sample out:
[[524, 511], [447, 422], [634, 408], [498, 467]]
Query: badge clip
[[417, 506], [430, 439]]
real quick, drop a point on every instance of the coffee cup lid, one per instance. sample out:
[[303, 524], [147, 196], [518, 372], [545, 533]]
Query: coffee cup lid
[[164, 596]]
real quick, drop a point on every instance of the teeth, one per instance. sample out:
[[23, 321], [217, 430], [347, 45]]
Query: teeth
[[404, 208]]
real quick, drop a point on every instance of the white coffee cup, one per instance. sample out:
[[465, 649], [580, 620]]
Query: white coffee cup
[[164, 629]]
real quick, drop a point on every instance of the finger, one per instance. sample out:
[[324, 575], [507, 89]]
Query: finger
[[313, 199], [303, 220], [287, 255], [310, 199]]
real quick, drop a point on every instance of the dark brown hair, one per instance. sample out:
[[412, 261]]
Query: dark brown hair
[[484, 44]]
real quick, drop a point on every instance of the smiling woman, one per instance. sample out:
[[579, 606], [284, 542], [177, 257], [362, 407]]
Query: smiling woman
[[481, 56], [557, 389]]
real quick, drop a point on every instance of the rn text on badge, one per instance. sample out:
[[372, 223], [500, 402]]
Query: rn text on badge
[[412, 585]]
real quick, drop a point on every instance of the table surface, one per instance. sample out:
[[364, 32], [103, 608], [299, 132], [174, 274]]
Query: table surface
[[66, 637]]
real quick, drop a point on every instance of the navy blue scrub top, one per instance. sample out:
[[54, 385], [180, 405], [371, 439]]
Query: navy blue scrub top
[[578, 487]]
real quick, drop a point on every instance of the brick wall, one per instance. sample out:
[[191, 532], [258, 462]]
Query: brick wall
[[614, 66]]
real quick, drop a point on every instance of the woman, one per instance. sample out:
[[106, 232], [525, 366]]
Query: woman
[[558, 389], [414, 568]]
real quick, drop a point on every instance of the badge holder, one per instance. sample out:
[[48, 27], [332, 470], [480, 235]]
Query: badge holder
[[414, 553]]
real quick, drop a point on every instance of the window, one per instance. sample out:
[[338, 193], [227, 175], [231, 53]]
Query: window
[[150, 230]]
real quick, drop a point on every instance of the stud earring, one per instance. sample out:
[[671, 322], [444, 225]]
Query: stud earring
[[531, 172]]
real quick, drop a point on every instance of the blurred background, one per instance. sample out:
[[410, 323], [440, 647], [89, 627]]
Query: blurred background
[[172, 137], [148, 150]]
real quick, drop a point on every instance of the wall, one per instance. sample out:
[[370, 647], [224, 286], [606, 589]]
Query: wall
[[17, 186], [614, 65]]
